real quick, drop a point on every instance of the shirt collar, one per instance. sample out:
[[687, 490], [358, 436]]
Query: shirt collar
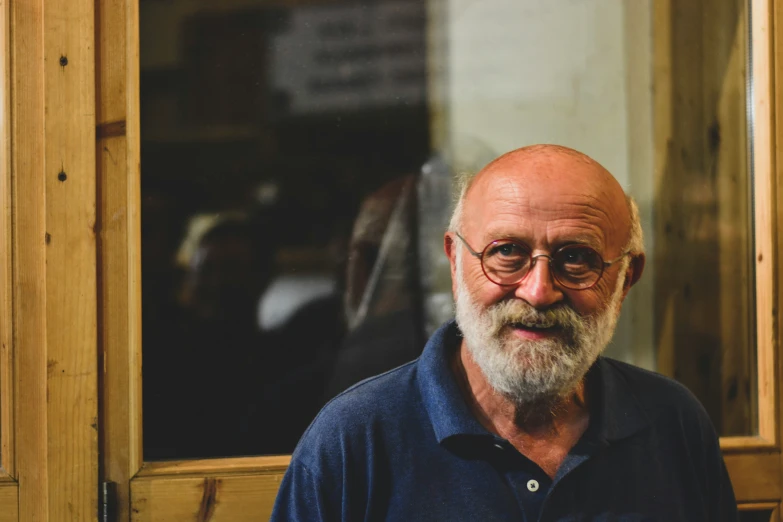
[[615, 412], [447, 409]]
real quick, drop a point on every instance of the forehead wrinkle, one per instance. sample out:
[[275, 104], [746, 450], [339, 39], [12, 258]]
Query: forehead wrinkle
[[563, 231], [613, 225], [593, 210], [556, 235], [571, 209], [589, 214], [552, 233]]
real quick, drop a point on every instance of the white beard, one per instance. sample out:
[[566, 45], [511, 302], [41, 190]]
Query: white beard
[[530, 372]]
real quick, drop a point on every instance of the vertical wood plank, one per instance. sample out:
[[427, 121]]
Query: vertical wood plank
[[29, 256], [765, 202], [775, 83], [7, 461], [71, 305], [119, 200]]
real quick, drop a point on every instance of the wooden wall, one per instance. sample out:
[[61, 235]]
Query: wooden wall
[[51, 93]]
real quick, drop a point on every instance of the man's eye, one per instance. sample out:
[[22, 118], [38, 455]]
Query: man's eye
[[507, 250], [574, 257], [578, 259]]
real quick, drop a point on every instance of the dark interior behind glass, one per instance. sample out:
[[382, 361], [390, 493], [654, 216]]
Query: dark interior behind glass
[[281, 155]]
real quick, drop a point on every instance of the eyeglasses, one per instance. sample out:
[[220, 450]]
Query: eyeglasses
[[506, 262]]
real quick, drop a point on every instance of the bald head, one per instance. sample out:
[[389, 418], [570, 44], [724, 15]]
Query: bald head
[[550, 178]]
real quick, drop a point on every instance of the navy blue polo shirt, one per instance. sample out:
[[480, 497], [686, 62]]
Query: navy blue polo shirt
[[404, 446]]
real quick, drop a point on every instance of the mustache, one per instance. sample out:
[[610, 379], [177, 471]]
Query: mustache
[[506, 313]]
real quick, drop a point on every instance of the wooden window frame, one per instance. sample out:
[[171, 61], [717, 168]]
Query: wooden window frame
[[172, 485]]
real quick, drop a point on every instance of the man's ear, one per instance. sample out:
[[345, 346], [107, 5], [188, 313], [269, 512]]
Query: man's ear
[[450, 247], [637, 262], [634, 272]]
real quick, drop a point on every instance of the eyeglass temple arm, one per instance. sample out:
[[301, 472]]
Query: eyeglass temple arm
[[464, 242], [607, 264]]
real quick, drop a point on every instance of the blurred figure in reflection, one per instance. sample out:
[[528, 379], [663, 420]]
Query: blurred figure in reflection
[[372, 322], [222, 359], [382, 295], [163, 217], [228, 272], [373, 220], [308, 341]]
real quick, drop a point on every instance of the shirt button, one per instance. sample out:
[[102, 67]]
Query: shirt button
[[532, 486]]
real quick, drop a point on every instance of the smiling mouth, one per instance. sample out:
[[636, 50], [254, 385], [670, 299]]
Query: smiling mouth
[[536, 330], [534, 325]]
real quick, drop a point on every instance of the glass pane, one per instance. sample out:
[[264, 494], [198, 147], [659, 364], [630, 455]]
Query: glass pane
[[704, 282], [297, 169]]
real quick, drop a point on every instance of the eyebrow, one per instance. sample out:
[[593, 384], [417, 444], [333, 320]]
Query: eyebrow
[[579, 240], [586, 241]]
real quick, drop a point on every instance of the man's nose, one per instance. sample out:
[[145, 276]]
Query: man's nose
[[539, 288]]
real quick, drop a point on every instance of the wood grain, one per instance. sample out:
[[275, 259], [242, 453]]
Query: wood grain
[[766, 229], [233, 498], [71, 279], [7, 460], [201, 467], [117, 99], [756, 477], [755, 444], [776, 81], [29, 257], [9, 503]]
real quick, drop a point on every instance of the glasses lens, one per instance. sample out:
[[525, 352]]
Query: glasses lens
[[577, 266], [505, 262]]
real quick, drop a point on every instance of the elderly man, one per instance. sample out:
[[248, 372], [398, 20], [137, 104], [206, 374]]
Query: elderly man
[[510, 413]]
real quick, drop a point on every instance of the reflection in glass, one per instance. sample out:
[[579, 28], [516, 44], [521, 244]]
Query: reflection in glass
[[281, 151], [704, 314], [297, 168]]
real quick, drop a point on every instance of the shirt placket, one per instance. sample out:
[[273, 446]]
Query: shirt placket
[[579, 454], [526, 479]]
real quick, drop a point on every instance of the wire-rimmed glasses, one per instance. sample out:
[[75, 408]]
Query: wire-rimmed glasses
[[506, 262]]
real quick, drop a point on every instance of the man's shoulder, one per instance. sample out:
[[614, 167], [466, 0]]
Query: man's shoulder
[[375, 395], [362, 416], [643, 377], [660, 396]]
